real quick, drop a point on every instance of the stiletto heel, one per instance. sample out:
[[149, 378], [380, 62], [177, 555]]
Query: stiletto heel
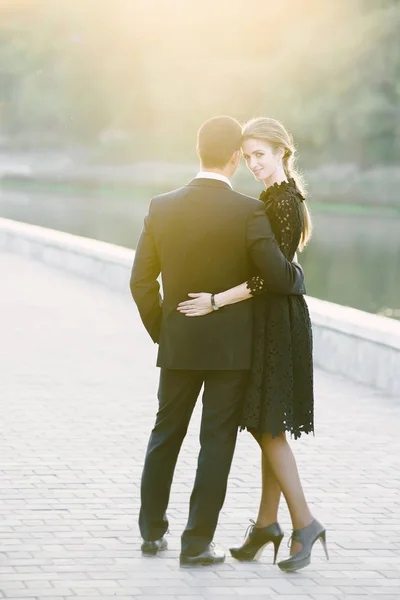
[[277, 542], [307, 538], [322, 537], [256, 539]]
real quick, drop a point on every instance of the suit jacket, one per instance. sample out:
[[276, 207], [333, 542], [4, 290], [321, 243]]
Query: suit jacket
[[205, 237]]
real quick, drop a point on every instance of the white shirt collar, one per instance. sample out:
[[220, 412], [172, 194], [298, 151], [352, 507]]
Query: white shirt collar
[[212, 175]]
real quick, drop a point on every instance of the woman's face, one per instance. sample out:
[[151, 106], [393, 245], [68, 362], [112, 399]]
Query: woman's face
[[261, 158]]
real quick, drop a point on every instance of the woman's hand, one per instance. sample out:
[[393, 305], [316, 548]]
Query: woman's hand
[[197, 307]]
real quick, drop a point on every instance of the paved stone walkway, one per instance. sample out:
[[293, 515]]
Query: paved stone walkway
[[77, 402]]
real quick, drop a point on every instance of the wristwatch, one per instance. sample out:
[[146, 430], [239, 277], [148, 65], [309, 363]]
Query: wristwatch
[[213, 305]]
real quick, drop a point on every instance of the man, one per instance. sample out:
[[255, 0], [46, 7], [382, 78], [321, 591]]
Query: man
[[203, 236]]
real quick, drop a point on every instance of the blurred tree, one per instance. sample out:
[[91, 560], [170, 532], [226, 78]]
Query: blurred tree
[[141, 76]]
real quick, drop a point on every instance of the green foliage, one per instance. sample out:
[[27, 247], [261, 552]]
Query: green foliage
[[136, 79]]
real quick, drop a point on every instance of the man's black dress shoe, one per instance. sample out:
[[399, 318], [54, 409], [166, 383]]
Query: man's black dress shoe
[[211, 556], [154, 547]]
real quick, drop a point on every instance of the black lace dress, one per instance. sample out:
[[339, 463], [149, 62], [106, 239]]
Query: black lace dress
[[280, 393]]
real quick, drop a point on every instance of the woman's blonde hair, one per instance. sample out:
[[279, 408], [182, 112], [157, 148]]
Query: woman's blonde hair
[[273, 132]]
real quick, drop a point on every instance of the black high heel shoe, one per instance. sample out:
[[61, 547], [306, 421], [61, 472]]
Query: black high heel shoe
[[256, 539], [307, 536]]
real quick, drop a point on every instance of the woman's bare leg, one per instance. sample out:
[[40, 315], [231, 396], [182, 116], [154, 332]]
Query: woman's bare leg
[[270, 492], [283, 464]]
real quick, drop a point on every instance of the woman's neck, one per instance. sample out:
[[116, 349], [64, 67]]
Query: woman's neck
[[276, 177]]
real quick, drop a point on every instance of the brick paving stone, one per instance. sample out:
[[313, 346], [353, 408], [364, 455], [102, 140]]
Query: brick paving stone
[[78, 400], [325, 597]]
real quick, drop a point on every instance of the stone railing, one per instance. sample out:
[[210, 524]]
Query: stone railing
[[358, 345]]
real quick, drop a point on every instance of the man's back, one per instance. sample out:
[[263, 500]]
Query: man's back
[[199, 234]]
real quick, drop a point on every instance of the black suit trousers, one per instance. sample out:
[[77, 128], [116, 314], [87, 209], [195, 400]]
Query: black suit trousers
[[222, 405]]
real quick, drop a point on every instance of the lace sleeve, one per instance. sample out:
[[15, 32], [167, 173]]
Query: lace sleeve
[[286, 222], [256, 285], [289, 225]]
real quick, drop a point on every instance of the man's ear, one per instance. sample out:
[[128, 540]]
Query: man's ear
[[235, 158]]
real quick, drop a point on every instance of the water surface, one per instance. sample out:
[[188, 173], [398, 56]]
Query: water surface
[[352, 259]]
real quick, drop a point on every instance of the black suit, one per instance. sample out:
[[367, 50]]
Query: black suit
[[203, 237]]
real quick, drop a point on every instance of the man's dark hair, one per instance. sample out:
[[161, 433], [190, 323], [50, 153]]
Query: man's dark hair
[[217, 139]]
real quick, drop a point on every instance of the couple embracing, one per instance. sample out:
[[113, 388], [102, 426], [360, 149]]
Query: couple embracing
[[245, 334]]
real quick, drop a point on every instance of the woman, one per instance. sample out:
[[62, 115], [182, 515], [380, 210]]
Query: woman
[[280, 393]]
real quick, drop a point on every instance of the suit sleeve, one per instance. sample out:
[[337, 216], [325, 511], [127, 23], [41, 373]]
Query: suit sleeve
[[144, 286], [280, 275]]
